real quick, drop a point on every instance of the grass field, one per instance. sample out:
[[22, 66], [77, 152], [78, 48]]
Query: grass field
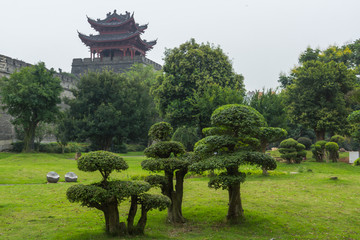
[[292, 203]]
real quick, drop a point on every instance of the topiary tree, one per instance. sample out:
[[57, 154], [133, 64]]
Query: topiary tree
[[332, 151], [318, 150], [305, 141], [107, 195], [231, 142], [168, 157], [292, 151], [268, 135]]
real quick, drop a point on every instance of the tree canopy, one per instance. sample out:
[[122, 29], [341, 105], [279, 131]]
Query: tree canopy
[[31, 96], [195, 74], [110, 106], [316, 98]]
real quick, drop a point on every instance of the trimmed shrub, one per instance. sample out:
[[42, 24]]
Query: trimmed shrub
[[305, 141], [292, 151], [332, 151], [160, 131], [318, 150], [357, 162], [337, 139]]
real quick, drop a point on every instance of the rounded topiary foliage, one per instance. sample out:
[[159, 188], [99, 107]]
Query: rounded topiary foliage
[[164, 149], [357, 162], [246, 119], [332, 150], [306, 141], [337, 138], [102, 161], [160, 131], [292, 151]]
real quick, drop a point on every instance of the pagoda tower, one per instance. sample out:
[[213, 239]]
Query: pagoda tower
[[117, 46]]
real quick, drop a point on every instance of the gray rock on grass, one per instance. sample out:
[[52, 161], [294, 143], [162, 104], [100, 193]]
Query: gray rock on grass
[[71, 177], [52, 177]]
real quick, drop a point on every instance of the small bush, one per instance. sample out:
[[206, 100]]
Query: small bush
[[292, 151], [318, 150], [337, 139], [357, 162], [52, 147], [305, 141], [332, 150]]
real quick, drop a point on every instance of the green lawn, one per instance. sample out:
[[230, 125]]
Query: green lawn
[[284, 205]]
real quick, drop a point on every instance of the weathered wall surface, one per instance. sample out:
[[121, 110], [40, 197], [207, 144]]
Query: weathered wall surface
[[9, 65], [117, 64]]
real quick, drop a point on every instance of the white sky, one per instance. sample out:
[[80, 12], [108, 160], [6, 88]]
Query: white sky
[[261, 37]]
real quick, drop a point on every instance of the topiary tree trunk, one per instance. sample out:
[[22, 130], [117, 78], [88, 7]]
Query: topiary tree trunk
[[176, 197], [111, 214], [235, 211]]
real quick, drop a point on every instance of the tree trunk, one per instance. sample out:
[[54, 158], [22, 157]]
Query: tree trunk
[[235, 211], [111, 213], [131, 215], [140, 227], [175, 208], [263, 150], [29, 138], [320, 134]]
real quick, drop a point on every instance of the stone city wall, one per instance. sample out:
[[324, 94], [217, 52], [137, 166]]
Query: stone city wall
[[116, 64]]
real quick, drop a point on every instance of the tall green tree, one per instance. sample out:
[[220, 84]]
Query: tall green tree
[[31, 96], [109, 106], [230, 143], [316, 99], [270, 104], [188, 72]]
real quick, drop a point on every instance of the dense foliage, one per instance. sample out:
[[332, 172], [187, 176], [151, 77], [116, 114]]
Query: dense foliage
[[316, 98], [231, 142], [270, 104], [332, 151], [318, 150], [187, 136], [197, 78], [305, 141], [110, 109], [292, 151], [107, 195], [31, 96]]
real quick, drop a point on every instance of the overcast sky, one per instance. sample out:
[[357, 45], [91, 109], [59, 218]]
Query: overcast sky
[[261, 37]]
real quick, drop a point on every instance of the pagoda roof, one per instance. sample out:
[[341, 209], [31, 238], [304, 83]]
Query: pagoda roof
[[114, 38], [115, 20], [108, 37]]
